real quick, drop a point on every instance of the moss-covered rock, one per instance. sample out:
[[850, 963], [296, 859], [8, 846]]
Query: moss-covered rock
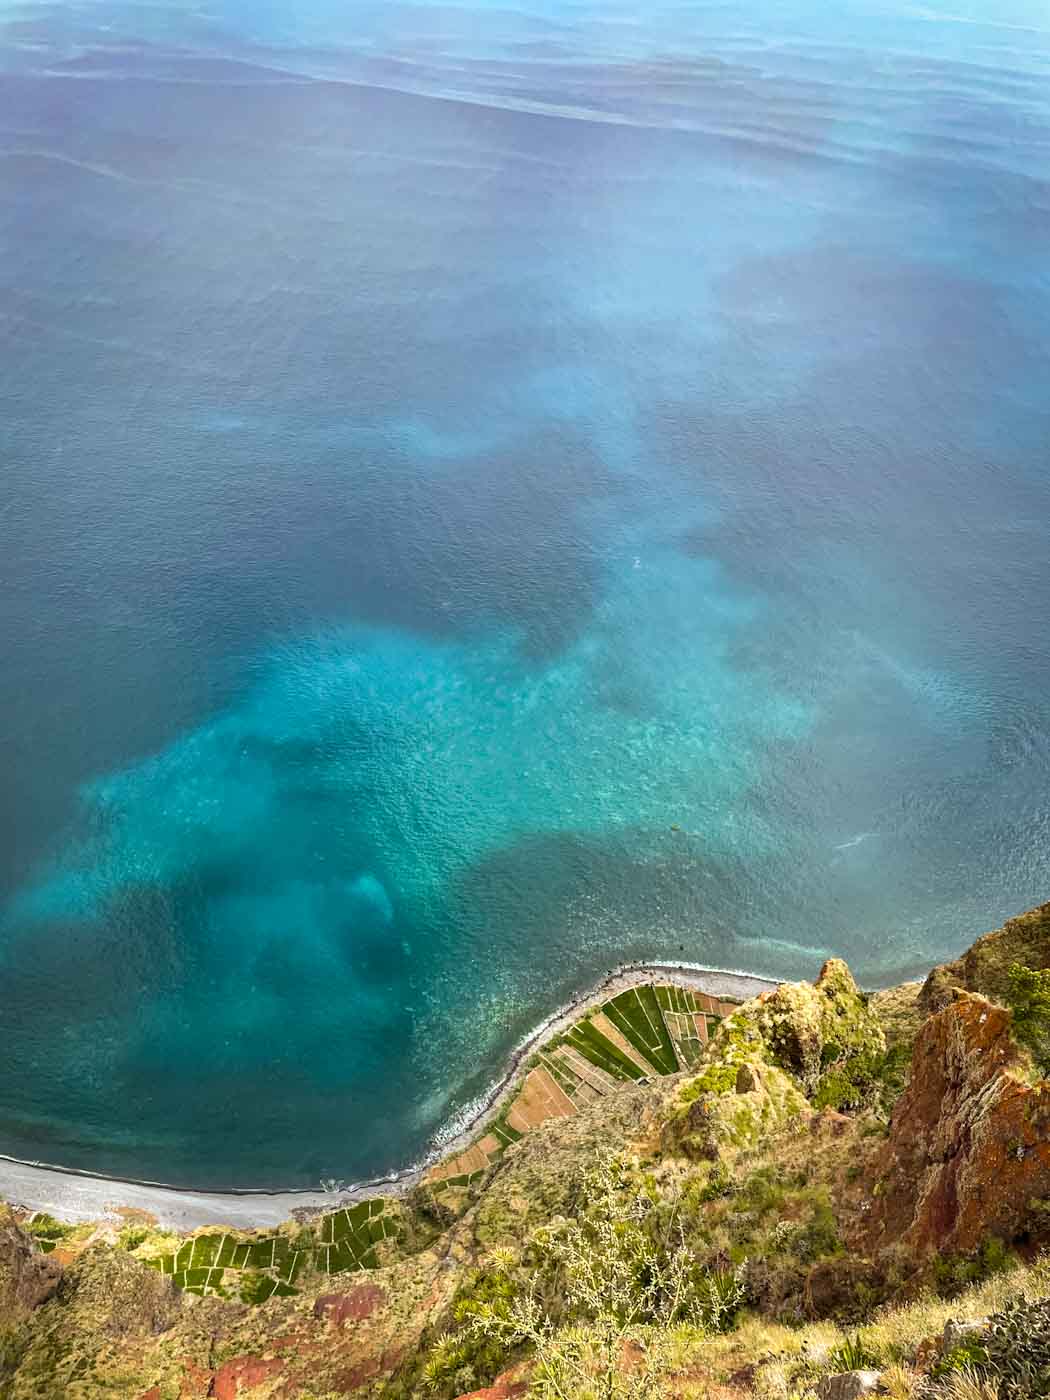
[[985, 967], [762, 1102], [119, 1295], [772, 1052], [899, 1014], [27, 1279], [92, 1336]]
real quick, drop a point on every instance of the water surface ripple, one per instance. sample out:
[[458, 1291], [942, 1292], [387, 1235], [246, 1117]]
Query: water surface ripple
[[491, 492]]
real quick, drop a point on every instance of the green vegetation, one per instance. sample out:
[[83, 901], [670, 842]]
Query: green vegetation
[[465, 1356], [636, 1015], [1017, 1349], [970, 1355], [583, 1293], [852, 1355], [590, 1042], [466, 1179], [873, 1080], [1007, 1359], [47, 1231], [954, 1273], [655, 1020], [1028, 998], [256, 1269]]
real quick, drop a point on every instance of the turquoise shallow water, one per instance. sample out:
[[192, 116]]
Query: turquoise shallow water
[[490, 493]]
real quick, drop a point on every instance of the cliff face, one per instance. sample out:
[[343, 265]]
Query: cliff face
[[27, 1277], [824, 1154], [968, 1151]]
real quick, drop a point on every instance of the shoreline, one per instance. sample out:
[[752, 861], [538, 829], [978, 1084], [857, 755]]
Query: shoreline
[[75, 1195]]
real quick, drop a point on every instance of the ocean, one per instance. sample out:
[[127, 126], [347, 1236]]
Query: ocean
[[489, 493]]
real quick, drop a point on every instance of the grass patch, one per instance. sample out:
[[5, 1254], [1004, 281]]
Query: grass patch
[[47, 1231], [272, 1267], [636, 1015], [593, 1046]]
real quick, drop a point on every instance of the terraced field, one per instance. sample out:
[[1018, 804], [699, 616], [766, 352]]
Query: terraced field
[[254, 1269], [650, 1029]]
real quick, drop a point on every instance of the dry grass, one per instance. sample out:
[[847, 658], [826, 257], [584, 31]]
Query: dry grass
[[898, 1010], [900, 1382], [968, 1385], [893, 1336]]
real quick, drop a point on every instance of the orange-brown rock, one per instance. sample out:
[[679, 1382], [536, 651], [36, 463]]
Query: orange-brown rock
[[508, 1386], [195, 1382], [354, 1306], [968, 1148], [27, 1277], [242, 1375]]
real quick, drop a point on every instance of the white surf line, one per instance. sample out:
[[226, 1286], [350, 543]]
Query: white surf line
[[76, 1196]]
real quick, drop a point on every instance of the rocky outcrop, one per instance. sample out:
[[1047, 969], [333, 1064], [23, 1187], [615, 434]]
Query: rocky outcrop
[[985, 966], [118, 1296], [764, 1059], [969, 1144], [957, 1333], [808, 1026], [27, 1277], [762, 1103]]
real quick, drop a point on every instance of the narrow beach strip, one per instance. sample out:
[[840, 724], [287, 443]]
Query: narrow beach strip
[[75, 1196]]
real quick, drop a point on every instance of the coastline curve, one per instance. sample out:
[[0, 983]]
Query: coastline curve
[[74, 1194]]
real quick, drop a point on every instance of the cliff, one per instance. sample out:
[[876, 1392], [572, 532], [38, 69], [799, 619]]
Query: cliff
[[681, 1197]]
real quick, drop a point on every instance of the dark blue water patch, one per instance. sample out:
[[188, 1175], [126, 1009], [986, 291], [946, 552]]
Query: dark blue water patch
[[450, 548]]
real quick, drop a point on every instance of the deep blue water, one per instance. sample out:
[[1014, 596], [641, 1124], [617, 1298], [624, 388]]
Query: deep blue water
[[488, 493]]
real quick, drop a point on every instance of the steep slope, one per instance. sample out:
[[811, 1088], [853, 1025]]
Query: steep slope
[[712, 1198]]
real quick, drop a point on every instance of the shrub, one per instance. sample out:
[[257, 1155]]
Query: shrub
[[900, 1382], [1028, 997], [717, 1185], [1017, 1343], [603, 1285], [953, 1273], [461, 1361], [47, 1231], [874, 1080], [722, 1295], [132, 1236], [968, 1384], [969, 1356]]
